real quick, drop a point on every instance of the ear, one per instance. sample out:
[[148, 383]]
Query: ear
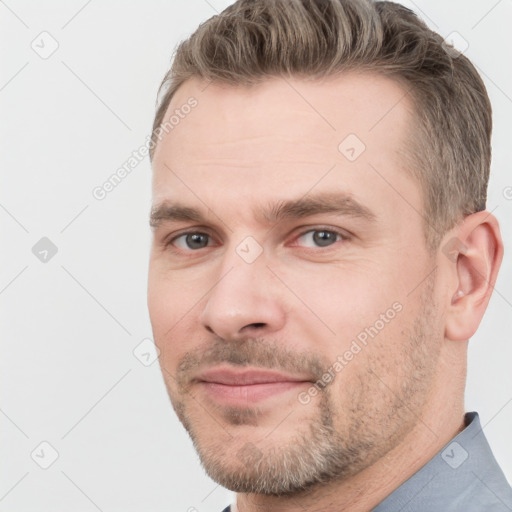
[[474, 252]]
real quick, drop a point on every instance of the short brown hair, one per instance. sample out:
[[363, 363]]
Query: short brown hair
[[253, 40]]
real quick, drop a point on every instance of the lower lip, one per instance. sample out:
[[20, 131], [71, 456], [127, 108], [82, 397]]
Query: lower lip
[[241, 395]]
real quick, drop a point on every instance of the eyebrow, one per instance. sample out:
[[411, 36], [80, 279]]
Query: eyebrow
[[327, 202]]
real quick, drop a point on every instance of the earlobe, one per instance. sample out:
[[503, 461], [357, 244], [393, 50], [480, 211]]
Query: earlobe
[[475, 271]]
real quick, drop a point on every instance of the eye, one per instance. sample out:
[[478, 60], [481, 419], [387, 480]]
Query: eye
[[320, 238], [194, 241]]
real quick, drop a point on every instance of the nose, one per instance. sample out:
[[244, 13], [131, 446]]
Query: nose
[[245, 301]]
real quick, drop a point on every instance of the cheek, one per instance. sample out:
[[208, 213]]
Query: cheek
[[169, 306], [168, 330], [174, 302], [170, 292], [347, 298], [352, 314], [160, 304]]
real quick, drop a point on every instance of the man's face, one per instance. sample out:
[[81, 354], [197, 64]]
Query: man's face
[[289, 250]]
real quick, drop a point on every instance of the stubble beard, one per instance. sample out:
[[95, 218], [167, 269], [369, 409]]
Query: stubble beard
[[334, 443]]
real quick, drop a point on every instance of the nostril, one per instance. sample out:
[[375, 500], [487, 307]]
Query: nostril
[[257, 324]]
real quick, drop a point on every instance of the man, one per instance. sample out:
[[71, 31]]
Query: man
[[322, 255]]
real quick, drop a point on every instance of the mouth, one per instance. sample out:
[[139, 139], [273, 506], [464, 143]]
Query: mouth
[[248, 386]]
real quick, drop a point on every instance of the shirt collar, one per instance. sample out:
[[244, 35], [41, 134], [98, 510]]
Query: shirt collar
[[453, 475]]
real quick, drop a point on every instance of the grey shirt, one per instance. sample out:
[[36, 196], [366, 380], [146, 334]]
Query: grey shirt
[[463, 476]]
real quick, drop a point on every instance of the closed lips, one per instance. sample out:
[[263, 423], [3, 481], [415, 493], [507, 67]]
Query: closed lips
[[247, 377]]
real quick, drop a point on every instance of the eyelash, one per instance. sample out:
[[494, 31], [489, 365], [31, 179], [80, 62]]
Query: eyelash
[[342, 235]]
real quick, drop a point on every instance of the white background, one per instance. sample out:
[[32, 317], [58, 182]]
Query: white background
[[69, 326]]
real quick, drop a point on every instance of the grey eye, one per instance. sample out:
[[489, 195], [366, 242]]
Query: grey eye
[[319, 238], [323, 238], [192, 241]]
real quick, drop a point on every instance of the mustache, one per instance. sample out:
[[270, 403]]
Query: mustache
[[254, 352]]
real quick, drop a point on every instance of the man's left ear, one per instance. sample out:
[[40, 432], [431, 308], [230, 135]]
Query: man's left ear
[[474, 250]]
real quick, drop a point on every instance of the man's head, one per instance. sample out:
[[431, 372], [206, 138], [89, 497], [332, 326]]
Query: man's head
[[449, 144], [308, 312]]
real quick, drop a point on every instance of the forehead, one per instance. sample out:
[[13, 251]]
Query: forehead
[[283, 137]]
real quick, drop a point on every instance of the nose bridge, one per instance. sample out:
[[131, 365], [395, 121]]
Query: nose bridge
[[242, 295], [243, 264]]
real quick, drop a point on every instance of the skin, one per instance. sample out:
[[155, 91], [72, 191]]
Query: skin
[[299, 305]]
